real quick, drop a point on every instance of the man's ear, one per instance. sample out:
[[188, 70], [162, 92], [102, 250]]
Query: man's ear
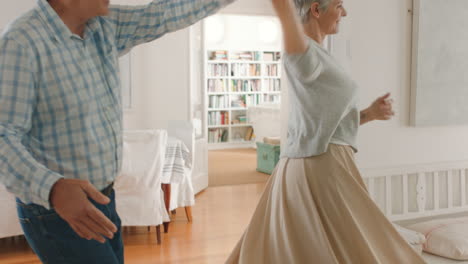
[[314, 10]]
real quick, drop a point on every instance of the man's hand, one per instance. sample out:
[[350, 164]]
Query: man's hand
[[69, 198]]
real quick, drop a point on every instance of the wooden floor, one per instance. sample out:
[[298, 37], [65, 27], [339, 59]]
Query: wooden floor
[[219, 219], [234, 166]]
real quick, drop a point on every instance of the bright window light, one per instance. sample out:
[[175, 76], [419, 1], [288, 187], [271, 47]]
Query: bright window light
[[214, 29], [268, 31]]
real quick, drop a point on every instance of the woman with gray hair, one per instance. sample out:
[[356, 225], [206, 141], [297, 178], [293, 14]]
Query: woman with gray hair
[[315, 208]]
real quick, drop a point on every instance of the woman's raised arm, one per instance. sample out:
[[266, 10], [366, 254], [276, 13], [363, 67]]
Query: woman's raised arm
[[293, 33]]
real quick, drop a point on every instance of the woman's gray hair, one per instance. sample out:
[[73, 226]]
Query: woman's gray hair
[[303, 7]]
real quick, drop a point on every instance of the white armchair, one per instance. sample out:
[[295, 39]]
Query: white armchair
[[139, 197]]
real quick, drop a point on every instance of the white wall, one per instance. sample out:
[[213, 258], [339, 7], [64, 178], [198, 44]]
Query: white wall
[[12, 9], [380, 38], [249, 7], [160, 80]]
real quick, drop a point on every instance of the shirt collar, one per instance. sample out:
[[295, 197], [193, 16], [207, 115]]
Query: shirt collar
[[57, 26], [53, 21]]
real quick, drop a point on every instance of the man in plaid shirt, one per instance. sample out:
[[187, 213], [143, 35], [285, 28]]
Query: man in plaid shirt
[[61, 117]]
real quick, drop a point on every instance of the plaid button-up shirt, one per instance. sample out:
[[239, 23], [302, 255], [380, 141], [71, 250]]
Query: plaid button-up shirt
[[60, 98]]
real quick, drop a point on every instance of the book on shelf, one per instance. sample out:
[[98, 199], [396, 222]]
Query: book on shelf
[[248, 134], [245, 70], [224, 136], [217, 118], [239, 102], [218, 55], [268, 56], [217, 135], [245, 55], [216, 70], [218, 101], [226, 118], [216, 86], [271, 56], [272, 70], [271, 85], [242, 119], [222, 118], [245, 85]]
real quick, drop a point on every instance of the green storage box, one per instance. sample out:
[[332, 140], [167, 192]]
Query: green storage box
[[267, 157]]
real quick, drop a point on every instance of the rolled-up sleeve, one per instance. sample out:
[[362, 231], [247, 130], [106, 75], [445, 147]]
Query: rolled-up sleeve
[[20, 172], [139, 24]]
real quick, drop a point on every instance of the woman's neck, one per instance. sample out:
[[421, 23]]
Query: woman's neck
[[312, 30]]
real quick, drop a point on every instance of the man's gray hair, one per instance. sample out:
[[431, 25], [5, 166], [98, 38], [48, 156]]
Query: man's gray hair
[[303, 7]]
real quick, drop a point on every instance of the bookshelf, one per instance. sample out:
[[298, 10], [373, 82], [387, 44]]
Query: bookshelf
[[235, 80]]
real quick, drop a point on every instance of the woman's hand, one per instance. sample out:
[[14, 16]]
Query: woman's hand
[[380, 109]]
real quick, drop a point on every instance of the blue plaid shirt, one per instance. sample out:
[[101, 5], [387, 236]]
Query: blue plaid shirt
[[60, 98]]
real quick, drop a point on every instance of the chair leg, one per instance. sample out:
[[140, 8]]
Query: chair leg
[[149, 228], [166, 227], [167, 195], [188, 212], [174, 212], [167, 200], [158, 234]]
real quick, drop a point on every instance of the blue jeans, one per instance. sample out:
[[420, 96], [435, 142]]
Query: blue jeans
[[54, 242]]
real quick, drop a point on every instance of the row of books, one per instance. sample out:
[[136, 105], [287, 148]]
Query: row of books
[[217, 135], [218, 101], [272, 85], [218, 69], [271, 56], [245, 100], [271, 98], [252, 99], [243, 134], [241, 70], [216, 86], [240, 119], [238, 103], [218, 118], [245, 55], [271, 70], [219, 86], [245, 70], [218, 55], [245, 85]]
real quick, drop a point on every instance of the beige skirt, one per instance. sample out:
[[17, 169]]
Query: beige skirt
[[317, 210]]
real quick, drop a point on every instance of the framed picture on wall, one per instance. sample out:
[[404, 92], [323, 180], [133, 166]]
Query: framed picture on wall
[[125, 64], [439, 61]]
